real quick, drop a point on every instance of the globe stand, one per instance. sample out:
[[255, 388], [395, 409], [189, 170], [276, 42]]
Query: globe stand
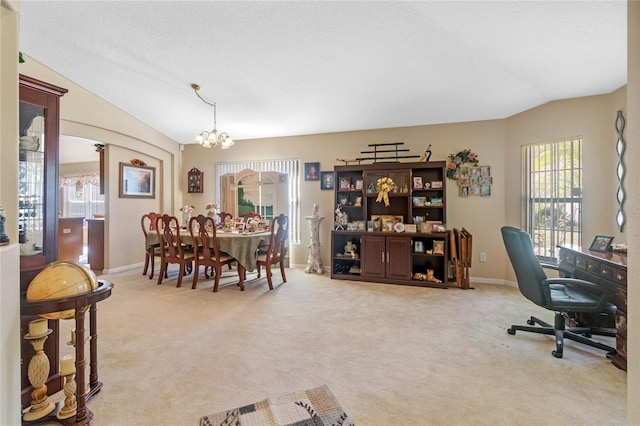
[[38, 372], [70, 405]]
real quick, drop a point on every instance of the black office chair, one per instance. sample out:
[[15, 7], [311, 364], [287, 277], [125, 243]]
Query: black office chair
[[565, 296]]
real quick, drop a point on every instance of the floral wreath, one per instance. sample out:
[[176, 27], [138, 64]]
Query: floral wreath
[[459, 158]]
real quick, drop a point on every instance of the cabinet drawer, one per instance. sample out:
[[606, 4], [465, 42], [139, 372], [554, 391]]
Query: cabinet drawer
[[621, 277], [607, 272], [593, 267], [568, 258], [581, 262]]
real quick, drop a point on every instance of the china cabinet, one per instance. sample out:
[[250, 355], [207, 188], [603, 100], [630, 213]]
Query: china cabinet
[[39, 116], [371, 240]]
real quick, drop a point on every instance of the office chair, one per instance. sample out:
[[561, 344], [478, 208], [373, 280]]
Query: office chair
[[564, 296]]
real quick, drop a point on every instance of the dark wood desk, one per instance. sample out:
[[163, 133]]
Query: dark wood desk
[[610, 271]]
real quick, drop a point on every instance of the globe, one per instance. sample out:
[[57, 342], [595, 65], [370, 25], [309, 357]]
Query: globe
[[59, 280]]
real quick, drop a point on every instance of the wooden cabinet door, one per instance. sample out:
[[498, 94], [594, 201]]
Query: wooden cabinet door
[[399, 258], [373, 256]]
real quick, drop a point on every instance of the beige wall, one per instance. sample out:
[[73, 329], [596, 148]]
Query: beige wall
[[9, 255], [633, 203], [84, 115], [485, 137], [591, 118]]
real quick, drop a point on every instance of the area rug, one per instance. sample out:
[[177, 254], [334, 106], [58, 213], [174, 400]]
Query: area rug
[[314, 407]]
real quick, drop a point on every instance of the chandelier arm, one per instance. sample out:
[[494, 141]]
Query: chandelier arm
[[196, 87]]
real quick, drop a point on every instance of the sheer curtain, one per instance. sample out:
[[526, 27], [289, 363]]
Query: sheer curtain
[[289, 167]]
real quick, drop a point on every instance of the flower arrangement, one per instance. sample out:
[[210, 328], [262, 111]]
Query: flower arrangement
[[457, 159], [385, 185], [138, 162]]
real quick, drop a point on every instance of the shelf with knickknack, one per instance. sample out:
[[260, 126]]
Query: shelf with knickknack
[[384, 210]]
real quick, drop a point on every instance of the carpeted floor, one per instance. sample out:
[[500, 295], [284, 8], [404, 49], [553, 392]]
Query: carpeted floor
[[391, 355]]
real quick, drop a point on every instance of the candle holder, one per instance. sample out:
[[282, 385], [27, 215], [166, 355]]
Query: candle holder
[[37, 373], [70, 406]]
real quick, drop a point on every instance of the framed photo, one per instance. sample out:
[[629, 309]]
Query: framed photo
[[436, 184], [485, 171], [137, 181], [361, 225], [418, 247], [438, 247], [345, 183], [410, 227], [326, 180], [238, 226], [262, 225], [601, 243], [311, 171], [475, 189], [359, 184], [474, 171], [464, 172], [438, 227], [425, 227], [417, 182], [464, 190], [485, 190], [419, 201]]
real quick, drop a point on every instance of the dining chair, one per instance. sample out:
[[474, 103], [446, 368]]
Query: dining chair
[[172, 249], [148, 223], [223, 216], [275, 251], [251, 215], [205, 247]]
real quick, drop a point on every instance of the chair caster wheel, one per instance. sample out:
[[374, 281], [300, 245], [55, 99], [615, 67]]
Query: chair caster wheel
[[511, 331], [556, 354]]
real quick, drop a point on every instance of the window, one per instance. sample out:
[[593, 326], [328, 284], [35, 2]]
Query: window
[[250, 184], [553, 195]]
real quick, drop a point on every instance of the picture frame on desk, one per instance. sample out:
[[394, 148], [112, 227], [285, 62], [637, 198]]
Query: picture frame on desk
[[601, 243]]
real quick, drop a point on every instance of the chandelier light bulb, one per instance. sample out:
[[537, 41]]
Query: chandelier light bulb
[[211, 139]]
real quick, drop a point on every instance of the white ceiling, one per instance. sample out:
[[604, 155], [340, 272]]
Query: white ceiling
[[290, 68]]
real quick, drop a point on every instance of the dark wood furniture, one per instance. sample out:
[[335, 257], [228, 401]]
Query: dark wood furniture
[[95, 244], [276, 250], [172, 249], [385, 251], [39, 116], [205, 250], [608, 269], [195, 180], [79, 304], [70, 238]]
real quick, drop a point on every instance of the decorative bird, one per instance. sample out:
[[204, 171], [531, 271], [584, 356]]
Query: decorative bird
[[427, 154]]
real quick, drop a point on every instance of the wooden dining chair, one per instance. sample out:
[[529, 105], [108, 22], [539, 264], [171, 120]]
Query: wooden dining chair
[[148, 223], [205, 246], [275, 251], [251, 215], [172, 249]]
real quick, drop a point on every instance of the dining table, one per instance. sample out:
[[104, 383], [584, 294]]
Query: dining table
[[242, 246]]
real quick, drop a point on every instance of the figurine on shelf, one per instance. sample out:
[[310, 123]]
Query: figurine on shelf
[[341, 217], [350, 249]]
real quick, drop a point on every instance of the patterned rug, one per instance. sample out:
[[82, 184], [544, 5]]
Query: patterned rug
[[314, 407]]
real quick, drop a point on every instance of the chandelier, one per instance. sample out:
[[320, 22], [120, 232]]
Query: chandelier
[[211, 139]]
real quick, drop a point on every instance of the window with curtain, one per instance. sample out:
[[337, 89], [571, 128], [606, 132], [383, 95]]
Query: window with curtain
[[80, 196], [251, 183], [553, 195]]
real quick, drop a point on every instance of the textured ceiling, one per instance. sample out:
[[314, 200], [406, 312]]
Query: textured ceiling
[[290, 68]]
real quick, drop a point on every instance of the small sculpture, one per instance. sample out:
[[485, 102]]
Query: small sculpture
[[350, 248]]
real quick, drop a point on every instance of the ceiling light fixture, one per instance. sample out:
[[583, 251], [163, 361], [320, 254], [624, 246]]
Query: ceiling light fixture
[[211, 139]]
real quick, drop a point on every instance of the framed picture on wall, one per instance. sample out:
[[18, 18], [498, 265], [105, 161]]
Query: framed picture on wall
[[326, 180], [137, 181], [311, 171]]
